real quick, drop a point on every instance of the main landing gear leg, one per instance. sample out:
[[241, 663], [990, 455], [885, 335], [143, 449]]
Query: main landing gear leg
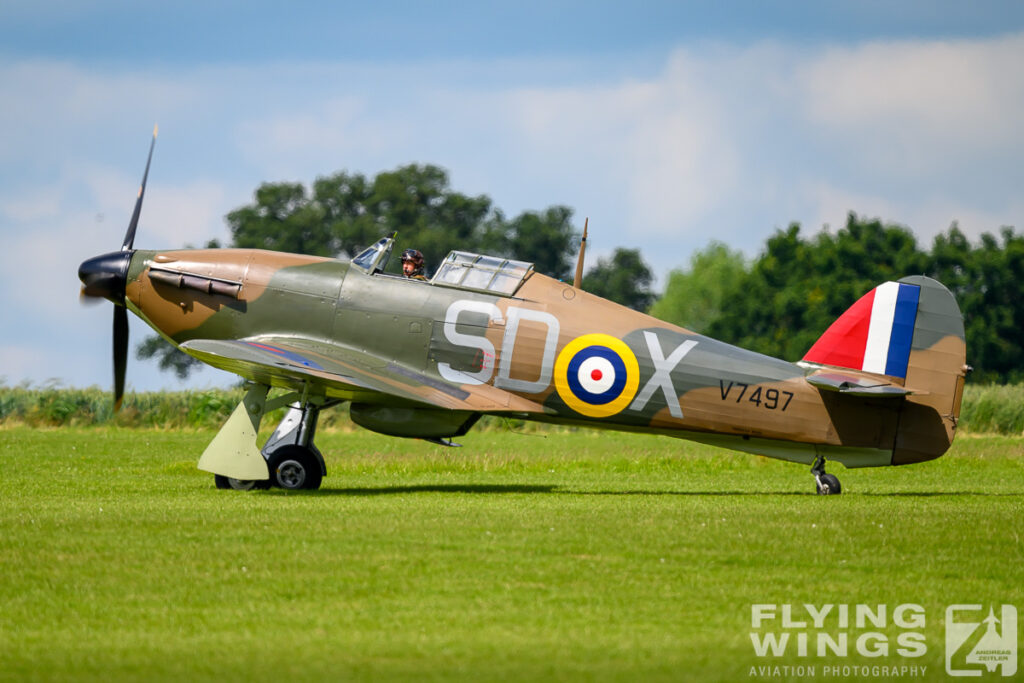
[[828, 484], [288, 460], [292, 458]]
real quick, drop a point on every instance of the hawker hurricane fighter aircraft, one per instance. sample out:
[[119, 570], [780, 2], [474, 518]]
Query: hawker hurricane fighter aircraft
[[492, 336]]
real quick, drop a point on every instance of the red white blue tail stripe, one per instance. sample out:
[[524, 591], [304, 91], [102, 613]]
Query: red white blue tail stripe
[[875, 334]]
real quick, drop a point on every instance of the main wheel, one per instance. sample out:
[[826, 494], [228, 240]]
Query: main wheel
[[829, 485], [295, 467], [223, 482]]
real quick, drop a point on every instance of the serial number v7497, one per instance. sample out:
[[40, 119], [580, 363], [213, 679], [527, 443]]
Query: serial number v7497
[[772, 399]]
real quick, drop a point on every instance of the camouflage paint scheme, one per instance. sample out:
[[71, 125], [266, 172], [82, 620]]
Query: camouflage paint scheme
[[426, 359]]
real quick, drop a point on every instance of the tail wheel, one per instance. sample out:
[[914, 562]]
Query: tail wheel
[[828, 485], [295, 467]]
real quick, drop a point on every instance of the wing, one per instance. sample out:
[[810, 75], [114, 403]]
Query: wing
[[340, 372]]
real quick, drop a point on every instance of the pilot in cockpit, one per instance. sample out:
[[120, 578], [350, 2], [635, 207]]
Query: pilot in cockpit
[[412, 264]]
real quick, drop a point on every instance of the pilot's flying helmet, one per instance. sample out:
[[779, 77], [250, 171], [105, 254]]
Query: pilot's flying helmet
[[413, 255]]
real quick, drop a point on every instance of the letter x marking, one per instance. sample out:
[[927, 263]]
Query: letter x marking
[[662, 377]]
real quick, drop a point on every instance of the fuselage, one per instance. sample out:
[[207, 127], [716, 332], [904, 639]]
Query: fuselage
[[580, 358]]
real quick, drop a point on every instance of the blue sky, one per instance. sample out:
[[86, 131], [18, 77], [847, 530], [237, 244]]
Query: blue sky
[[667, 123], [259, 31]]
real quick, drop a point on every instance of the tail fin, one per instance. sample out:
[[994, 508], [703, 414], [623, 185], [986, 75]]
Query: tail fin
[[912, 333]]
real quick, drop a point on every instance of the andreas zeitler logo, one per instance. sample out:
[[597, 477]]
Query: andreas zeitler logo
[[979, 640], [978, 643]]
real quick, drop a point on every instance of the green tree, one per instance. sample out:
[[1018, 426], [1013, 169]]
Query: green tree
[[344, 213], [417, 202], [697, 295], [988, 282], [545, 238], [170, 359], [624, 278], [797, 287], [282, 219]]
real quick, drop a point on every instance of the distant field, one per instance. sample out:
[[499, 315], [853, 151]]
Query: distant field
[[551, 556], [986, 409]]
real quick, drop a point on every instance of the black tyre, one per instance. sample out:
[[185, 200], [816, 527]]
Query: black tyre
[[294, 467], [223, 482], [828, 485]]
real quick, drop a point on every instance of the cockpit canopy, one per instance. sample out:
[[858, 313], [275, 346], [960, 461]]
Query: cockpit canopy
[[374, 258], [459, 269], [481, 273]]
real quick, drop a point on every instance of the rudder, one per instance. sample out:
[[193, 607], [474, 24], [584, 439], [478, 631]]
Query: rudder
[[911, 333], [935, 374]]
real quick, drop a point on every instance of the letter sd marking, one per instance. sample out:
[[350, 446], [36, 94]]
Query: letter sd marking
[[597, 375]]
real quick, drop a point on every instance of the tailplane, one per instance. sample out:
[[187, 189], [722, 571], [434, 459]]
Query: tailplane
[[907, 334]]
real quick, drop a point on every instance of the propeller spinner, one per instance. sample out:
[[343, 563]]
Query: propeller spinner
[[105, 277]]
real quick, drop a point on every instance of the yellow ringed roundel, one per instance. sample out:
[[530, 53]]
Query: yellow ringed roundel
[[597, 375]]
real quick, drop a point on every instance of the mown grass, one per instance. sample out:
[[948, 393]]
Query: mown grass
[[553, 556]]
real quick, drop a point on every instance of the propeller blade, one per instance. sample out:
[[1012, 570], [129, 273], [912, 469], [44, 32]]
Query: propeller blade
[[129, 237], [120, 353], [87, 299]]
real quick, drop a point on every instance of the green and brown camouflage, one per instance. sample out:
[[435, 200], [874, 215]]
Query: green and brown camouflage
[[493, 336]]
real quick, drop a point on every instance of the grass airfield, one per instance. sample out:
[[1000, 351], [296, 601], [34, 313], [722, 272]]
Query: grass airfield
[[542, 556]]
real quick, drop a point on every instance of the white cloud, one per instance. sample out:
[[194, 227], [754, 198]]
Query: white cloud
[[966, 89], [653, 147], [914, 105], [23, 362], [55, 110], [927, 218], [37, 204], [328, 134], [45, 246], [719, 142], [192, 213]]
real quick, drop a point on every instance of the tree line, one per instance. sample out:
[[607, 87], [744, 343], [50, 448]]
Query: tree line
[[778, 303], [784, 299]]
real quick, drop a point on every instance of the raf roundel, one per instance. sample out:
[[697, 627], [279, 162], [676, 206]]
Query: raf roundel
[[597, 375]]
